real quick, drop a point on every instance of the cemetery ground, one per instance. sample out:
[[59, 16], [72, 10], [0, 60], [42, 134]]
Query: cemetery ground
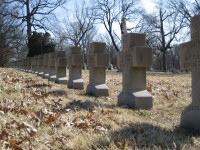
[[38, 114]]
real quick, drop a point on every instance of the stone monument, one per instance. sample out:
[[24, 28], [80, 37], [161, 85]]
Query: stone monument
[[190, 60], [75, 63], [40, 65], [61, 67], [46, 65], [35, 68], [52, 67], [133, 60], [98, 61]]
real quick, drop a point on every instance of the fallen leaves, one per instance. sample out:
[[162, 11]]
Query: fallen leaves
[[89, 122], [160, 88], [4, 134], [37, 114]]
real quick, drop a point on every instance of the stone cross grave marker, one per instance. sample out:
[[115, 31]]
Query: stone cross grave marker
[[40, 65], [75, 63], [134, 58], [46, 65], [52, 66], [36, 57], [61, 67], [29, 64], [190, 60], [98, 61]]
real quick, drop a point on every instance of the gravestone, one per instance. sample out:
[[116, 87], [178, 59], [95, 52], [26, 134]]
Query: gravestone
[[133, 60], [61, 67], [46, 75], [34, 64], [40, 65], [22, 64], [98, 61], [29, 64], [52, 67], [190, 60], [75, 63], [45, 65]]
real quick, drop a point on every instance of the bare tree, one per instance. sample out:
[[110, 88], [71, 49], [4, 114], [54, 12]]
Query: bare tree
[[78, 28], [186, 8], [32, 14], [162, 28], [110, 13], [11, 37]]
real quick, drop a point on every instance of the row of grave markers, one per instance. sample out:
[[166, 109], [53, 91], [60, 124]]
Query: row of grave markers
[[133, 60]]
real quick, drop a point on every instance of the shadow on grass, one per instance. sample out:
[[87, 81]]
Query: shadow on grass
[[57, 93], [39, 86], [147, 136], [86, 105]]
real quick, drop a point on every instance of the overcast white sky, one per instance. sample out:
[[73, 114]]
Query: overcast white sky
[[149, 5]]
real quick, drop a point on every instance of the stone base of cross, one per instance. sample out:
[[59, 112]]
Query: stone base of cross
[[134, 58]]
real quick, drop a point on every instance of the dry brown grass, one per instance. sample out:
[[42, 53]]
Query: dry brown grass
[[37, 114]]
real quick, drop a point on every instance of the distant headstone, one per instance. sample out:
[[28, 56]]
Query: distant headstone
[[75, 63], [46, 65], [36, 64], [61, 67], [52, 66], [98, 61], [47, 73], [40, 65], [29, 64], [133, 60], [190, 60]]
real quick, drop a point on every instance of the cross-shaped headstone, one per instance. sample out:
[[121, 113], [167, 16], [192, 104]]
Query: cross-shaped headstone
[[40, 65], [75, 63], [29, 64], [52, 65], [134, 58], [98, 61], [61, 67], [46, 65], [190, 60], [36, 64]]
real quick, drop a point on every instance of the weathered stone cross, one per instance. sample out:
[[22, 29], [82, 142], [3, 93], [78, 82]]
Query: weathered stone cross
[[190, 60], [134, 58]]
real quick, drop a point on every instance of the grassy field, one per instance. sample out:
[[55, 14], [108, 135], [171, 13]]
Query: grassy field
[[36, 114]]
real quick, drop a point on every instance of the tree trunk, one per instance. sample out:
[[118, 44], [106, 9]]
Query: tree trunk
[[28, 18], [164, 61], [28, 21]]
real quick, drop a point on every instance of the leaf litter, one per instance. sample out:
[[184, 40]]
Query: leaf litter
[[37, 114]]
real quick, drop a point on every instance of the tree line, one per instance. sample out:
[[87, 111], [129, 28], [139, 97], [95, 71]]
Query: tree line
[[29, 27]]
